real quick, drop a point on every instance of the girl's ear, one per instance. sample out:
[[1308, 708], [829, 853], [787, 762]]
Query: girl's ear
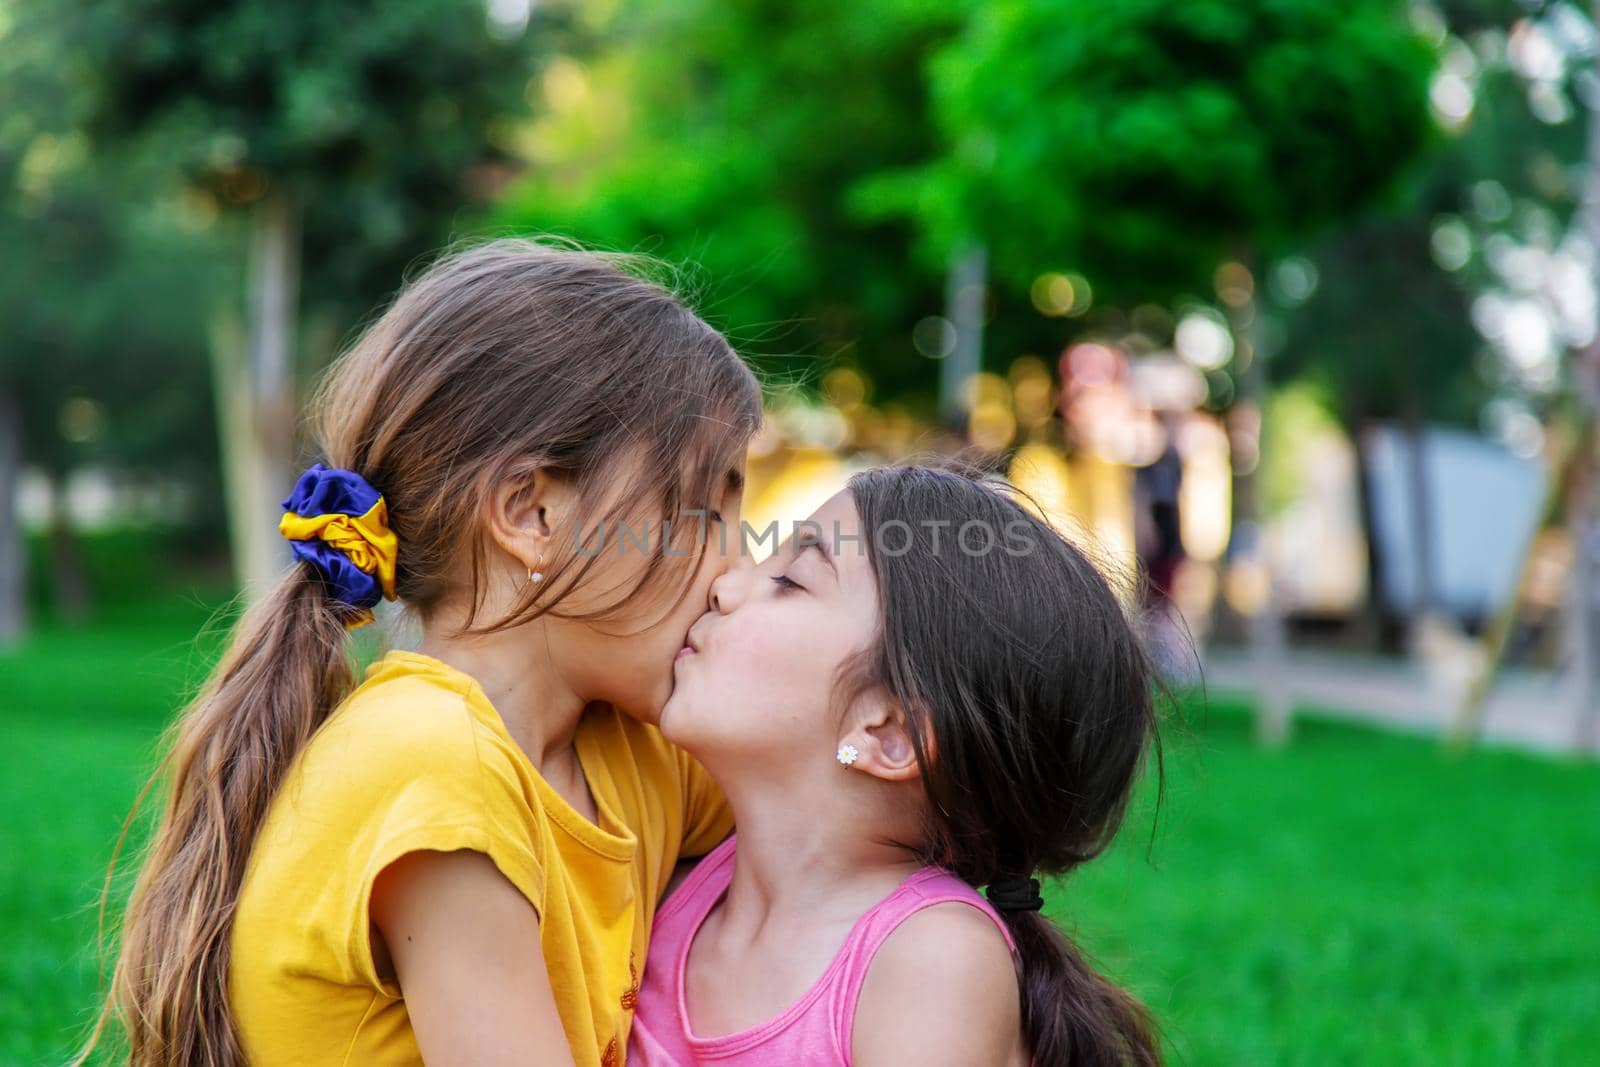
[[528, 505], [878, 730]]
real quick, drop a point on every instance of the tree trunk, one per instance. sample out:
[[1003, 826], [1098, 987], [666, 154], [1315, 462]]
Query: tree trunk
[[1425, 592], [1578, 633], [13, 586], [69, 584], [1376, 625], [1580, 617], [253, 375], [1425, 620], [965, 296], [1264, 627], [1568, 481]]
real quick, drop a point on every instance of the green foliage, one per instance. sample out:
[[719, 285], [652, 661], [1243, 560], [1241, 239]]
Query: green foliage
[[370, 115], [90, 297], [148, 127], [1143, 142], [1387, 334], [746, 126], [102, 285], [795, 153]]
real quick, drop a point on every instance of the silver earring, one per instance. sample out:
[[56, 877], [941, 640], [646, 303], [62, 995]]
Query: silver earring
[[848, 754]]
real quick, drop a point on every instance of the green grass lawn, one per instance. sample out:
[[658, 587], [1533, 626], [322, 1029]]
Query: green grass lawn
[[82, 712], [1356, 898]]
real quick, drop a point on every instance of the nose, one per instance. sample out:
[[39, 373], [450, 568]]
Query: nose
[[727, 588]]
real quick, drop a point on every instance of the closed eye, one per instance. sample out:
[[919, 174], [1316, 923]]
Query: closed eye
[[785, 583]]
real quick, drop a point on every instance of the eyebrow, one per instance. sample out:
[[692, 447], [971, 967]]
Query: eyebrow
[[735, 481], [813, 541]]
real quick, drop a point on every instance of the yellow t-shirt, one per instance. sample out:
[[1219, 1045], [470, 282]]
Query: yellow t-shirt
[[417, 758]]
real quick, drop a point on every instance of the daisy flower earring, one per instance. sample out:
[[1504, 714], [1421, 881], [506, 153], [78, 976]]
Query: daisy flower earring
[[848, 754]]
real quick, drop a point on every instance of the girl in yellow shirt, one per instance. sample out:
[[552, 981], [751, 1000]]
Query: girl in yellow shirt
[[457, 860]]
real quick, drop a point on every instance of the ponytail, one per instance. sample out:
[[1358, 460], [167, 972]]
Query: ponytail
[[1074, 1016], [284, 671]]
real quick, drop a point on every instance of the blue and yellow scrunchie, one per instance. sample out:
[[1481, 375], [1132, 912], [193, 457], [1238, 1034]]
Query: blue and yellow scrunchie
[[339, 524]]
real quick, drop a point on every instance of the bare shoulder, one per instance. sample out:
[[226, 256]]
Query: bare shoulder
[[941, 990]]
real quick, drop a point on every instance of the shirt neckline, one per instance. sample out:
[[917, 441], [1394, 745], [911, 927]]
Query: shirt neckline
[[611, 837], [742, 1040]]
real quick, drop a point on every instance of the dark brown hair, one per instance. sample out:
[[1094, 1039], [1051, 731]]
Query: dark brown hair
[[496, 360], [1031, 701]]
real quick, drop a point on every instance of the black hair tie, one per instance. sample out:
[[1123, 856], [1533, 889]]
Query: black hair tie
[[1015, 894]]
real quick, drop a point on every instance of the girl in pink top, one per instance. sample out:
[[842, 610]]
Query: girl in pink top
[[926, 689]]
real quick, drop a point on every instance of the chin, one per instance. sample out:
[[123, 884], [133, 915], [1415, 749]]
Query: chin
[[641, 707], [676, 721], [664, 720], [650, 710]]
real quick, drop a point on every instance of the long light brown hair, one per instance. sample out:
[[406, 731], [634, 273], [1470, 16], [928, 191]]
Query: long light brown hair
[[498, 359]]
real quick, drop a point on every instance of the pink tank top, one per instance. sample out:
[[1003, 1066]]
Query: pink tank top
[[815, 1031]]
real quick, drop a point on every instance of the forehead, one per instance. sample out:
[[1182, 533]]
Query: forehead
[[836, 527], [838, 511], [709, 460]]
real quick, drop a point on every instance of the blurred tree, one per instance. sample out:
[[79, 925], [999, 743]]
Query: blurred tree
[[107, 359], [1388, 333], [1584, 521], [342, 133], [1538, 274], [731, 136], [101, 352], [1387, 337], [15, 135], [1146, 143]]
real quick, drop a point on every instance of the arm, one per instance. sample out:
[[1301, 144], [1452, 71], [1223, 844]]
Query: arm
[[941, 992], [464, 943]]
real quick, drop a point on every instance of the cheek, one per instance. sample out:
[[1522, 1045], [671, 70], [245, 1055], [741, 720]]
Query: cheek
[[635, 664], [622, 665], [640, 669], [759, 689]]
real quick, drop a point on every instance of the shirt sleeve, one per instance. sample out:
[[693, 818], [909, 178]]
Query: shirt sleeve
[[707, 819], [421, 782]]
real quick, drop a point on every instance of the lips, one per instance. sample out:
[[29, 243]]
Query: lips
[[690, 645]]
